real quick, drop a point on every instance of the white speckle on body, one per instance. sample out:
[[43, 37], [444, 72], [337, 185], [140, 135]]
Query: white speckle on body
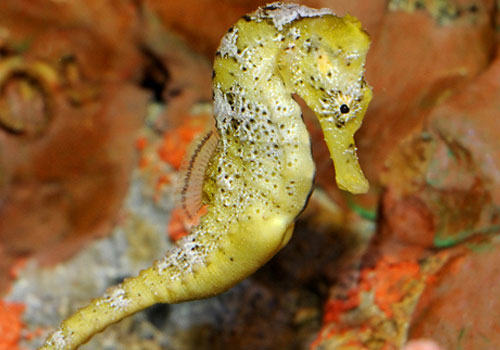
[[282, 14], [116, 298], [295, 33], [351, 151], [58, 340], [184, 259], [352, 56], [221, 106], [228, 44], [279, 37]]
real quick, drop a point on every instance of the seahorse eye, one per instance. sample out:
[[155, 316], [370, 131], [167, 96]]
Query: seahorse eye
[[344, 109]]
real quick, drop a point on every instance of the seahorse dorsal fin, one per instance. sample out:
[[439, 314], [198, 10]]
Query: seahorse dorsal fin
[[189, 185]]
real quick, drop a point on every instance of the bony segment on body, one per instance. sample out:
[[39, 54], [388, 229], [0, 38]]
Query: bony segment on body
[[260, 172]]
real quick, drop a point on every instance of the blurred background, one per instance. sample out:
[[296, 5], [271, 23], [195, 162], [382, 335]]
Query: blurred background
[[99, 101]]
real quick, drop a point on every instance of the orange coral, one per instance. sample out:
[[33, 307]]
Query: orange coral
[[336, 307], [176, 142], [141, 143], [10, 325], [179, 225], [388, 281]]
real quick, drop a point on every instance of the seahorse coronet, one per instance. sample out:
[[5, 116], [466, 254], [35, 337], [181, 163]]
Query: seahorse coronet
[[260, 173]]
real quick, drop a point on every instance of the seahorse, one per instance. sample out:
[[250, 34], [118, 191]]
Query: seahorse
[[260, 174]]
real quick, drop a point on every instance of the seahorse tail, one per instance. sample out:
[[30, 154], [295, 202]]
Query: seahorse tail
[[201, 276], [127, 298]]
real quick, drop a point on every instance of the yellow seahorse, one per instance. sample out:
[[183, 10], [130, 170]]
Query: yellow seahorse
[[261, 171]]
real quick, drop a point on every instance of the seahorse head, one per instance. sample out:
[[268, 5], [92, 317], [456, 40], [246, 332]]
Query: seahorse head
[[323, 62]]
